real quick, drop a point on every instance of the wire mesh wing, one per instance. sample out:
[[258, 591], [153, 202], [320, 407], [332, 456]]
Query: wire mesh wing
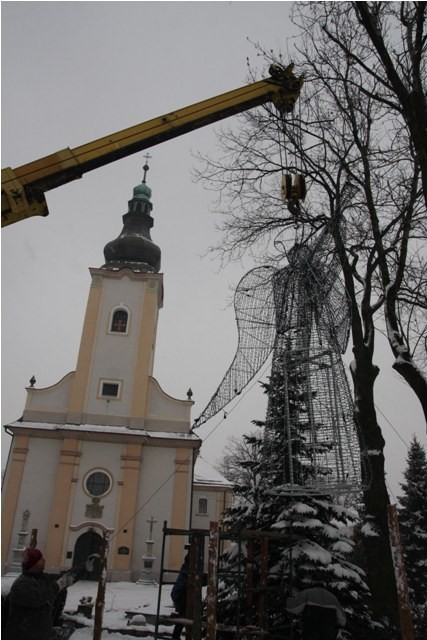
[[331, 301], [321, 260], [255, 317], [335, 316], [310, 438]]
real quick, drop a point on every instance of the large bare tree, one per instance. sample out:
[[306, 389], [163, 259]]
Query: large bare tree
[[358, 137], [237, 463]]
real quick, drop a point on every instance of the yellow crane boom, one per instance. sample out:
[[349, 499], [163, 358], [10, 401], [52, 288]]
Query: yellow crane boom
[[23, 188]]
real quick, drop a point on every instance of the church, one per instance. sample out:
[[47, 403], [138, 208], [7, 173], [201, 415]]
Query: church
[[106, 450]]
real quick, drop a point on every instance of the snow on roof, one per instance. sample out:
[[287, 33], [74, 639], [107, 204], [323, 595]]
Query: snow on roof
[[205, 474], [100, 428]]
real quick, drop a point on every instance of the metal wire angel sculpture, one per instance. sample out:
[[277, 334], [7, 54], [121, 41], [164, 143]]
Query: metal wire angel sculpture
[[300, 314]]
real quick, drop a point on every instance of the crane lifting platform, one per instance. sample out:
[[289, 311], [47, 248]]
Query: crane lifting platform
[[23, 188]]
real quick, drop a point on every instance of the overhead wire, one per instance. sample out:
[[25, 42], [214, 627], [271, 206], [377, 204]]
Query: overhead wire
[[395, 430], [210, 434], [187, 459], [400, 437]]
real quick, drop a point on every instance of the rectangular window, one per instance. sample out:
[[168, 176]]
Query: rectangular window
[[110, 389]]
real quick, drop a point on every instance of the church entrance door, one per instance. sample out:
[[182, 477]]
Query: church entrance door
[[86, 544]]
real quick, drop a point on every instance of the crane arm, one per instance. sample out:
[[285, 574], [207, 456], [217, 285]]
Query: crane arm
[[23, 188]]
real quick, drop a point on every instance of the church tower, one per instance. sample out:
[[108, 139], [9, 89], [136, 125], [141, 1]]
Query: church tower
[[105, 449], [111, 382]]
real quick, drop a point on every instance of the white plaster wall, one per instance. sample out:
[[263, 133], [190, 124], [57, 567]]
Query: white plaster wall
[[114, 353], [201, 521], [163, 407], [102, 456], [155, 498], [37, 488], [54, 398]]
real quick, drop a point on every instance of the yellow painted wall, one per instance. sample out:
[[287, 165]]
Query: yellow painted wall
[[87, 342], [11, 491], [131, 461], [59, 515], [144, 357], [183, 472]]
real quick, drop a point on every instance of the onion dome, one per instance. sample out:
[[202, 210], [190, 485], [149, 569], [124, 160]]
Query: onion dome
[[134, 248]]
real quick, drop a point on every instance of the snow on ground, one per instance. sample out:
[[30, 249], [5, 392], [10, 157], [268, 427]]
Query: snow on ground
[[119, 598]]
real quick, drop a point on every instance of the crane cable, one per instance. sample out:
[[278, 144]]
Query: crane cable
[[281, 134]]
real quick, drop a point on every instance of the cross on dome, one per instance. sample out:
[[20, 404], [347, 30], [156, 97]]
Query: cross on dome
[[146, 167]]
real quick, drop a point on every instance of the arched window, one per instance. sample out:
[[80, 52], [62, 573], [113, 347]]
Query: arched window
[[202, 507], [119, 321]]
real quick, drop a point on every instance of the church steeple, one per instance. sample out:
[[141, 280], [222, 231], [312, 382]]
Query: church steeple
[[134, 248]]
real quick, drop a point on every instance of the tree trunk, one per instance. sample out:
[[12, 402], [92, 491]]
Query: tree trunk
[[380, 569], [412, 100]]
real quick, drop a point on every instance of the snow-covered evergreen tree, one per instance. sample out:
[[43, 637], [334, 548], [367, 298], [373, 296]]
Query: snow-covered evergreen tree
[[413, 527], [318, 533]]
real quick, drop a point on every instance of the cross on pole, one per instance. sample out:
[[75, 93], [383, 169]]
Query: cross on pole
[[148, 558], [151, 521]]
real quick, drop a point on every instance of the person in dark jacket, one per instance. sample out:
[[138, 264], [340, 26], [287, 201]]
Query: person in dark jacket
[[322, 613], [179, 596], [32, 597]]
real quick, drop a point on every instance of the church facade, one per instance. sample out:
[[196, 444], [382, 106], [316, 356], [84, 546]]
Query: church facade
[[106, 449]]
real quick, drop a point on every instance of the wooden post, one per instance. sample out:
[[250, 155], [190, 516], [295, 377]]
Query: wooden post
[[212, 582], [263, 583], [197, 588], [406, 626], [100, 596], [192, 553], [33, 539], [194, 587], [250, 579]]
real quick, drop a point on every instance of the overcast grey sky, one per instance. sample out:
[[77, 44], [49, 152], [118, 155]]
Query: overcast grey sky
[[76, 71]]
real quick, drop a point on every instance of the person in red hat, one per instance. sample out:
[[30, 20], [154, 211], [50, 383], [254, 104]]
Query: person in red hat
[[32, 597]]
